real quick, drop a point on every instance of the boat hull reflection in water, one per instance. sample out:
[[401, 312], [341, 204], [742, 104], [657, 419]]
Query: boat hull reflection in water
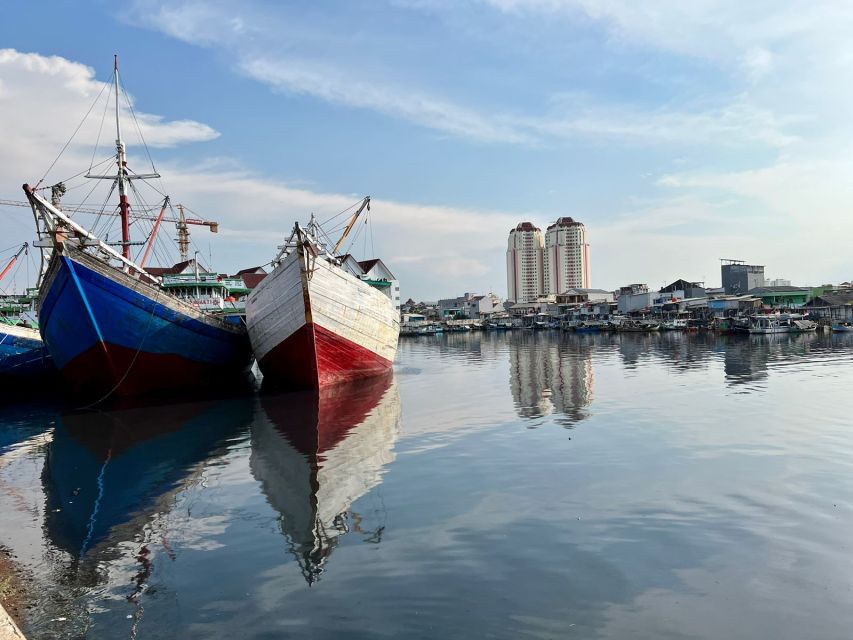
[[107, 474], [315, 453]]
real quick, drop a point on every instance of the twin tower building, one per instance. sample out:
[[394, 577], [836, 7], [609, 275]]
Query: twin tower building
[[538, 265]]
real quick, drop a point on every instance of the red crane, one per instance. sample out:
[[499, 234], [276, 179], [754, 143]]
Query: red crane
[[13, 260]]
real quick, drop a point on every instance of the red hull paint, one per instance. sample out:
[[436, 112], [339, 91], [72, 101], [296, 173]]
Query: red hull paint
[[317, 421], [313, 357], [118, 371]]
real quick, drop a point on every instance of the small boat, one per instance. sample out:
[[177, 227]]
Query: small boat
[[803, 326], [780, 323], [541, 321], [675, 324], [23, 356], [313, 322], [503, 324], [633, 326], [842, 327], [588, 326]]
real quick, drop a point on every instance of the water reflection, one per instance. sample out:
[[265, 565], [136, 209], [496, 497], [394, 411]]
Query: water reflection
[[701, 472], [551, 373], [316, 454], [107, 472]]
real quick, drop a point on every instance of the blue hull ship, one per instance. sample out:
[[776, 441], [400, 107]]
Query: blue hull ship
[[23, 356], [112, 333], [112, 327]]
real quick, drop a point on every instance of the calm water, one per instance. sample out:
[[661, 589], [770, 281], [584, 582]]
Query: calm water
[[497, 486]]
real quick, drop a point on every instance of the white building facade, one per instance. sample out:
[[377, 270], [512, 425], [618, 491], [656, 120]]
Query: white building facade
[[524, 268], [375, 269], [566, 257]]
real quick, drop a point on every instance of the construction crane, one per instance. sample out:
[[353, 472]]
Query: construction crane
[[180, 222], [13, 260]]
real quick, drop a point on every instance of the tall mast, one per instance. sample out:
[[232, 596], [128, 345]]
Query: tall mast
[[121, 160]]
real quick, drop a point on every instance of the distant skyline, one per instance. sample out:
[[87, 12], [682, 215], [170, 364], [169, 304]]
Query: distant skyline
[[678, 133]]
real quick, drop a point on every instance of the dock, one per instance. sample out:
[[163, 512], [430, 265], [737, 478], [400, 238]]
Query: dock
[[8, 629]]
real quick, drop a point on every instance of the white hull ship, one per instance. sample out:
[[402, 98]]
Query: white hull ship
[[313, 323]]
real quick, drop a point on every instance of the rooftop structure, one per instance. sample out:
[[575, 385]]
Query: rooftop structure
[[739, 277]]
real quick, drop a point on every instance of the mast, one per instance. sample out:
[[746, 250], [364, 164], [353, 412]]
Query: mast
[[121, 160]]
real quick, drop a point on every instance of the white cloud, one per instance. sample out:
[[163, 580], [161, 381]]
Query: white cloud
[[757, 62], [266, 56], [34, 83], [331, 85]]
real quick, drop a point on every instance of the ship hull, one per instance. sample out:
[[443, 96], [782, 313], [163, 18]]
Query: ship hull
[[110, 334], [23, 356], [312, 325]]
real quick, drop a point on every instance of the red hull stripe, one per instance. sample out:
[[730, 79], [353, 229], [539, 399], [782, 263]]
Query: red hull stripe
[[314, 357], [100, 370]]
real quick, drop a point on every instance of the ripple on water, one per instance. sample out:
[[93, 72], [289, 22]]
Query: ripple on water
[[520, 484]]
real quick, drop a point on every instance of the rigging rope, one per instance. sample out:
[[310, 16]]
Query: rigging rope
[[100, 129], [72, 136]]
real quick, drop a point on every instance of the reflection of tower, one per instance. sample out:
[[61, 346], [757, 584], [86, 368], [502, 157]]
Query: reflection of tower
[[551, 374], [316, 454]]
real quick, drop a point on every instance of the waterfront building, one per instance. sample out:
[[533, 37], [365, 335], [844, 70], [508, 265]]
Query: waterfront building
[[633, 288], [524, 268], [582, 296], [375, 269], [566, 257], [739, 277], [684, 289], [252, 276], [835, 305], [635, 297], [470, 305], [786, 297]]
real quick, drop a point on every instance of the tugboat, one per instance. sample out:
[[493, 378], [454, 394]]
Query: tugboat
[[111, 327], [313, 322]]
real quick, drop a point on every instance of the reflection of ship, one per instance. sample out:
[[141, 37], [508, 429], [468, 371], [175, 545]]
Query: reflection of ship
[[103, 469], [551, 374], [315, 454]]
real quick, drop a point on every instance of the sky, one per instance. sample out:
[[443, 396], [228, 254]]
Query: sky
[[678, 132]]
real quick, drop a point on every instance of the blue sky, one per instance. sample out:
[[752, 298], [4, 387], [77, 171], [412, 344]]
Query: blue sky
[[677, 132]]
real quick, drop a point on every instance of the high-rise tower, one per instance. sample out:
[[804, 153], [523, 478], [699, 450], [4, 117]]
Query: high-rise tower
[[524, 272], [566, 261]]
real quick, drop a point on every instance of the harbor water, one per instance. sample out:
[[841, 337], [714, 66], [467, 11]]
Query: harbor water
[[499, 485]]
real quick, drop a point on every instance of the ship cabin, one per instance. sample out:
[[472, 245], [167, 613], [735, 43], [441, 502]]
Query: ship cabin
[[208, 291]]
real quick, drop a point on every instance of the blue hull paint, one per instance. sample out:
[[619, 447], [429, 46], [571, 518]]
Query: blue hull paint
[[23, 358], [104, 469], [115, 324]]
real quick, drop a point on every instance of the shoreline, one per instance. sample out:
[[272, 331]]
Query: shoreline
[[12, 597]]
